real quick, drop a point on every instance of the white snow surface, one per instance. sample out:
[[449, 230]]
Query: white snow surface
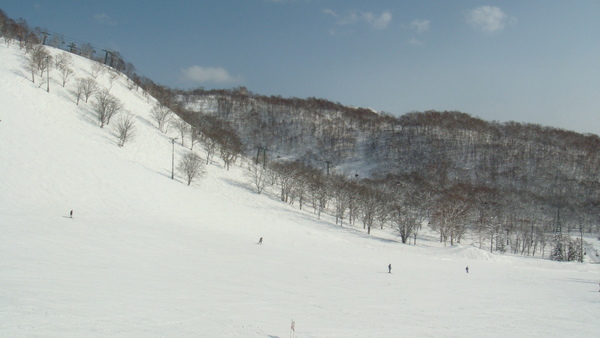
[[147, 256]]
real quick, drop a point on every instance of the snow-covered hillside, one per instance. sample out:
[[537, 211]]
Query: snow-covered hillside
[[147, 256]]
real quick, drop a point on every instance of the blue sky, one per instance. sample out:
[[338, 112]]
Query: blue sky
[[534, 61]]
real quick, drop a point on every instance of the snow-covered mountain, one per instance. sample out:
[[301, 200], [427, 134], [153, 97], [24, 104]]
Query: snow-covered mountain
[[148, 256]]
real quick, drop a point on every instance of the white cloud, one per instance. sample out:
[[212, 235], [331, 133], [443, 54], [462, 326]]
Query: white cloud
[[378, 22], [104, 19], [415, 42], [420, 26], [349, 18], [489, 19], [209, 74], [330, 12]]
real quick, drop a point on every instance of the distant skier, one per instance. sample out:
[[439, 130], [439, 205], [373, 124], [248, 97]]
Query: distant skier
[[390, 268], [71, 214], [467, 269], [260, 241]]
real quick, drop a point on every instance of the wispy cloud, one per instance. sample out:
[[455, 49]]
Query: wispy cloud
[[350, 18], [415, 42], [378, 22], [104, 19], [216, 75], [490, 19], [420, 26]]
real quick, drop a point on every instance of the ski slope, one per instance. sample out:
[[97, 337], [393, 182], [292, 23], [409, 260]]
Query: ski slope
[[147, 256]]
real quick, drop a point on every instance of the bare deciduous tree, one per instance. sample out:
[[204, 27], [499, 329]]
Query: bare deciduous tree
[[231, 147], [89, 87], [210, 146], [162, 115], [194, 136], [66, 74], [125, 129], [56, 40], [113, 75], [79, 88], [181, 126], [38, 60], [87, 51], [191, 167], [106, 106], [449, 217], [97, 69], [63, 59], [258, 176], [369, 200]]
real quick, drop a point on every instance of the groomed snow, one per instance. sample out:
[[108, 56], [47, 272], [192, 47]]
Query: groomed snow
[[147, 256]]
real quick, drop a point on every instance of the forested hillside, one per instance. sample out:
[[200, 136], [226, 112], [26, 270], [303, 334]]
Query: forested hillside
[[517, 187], [498, 179]]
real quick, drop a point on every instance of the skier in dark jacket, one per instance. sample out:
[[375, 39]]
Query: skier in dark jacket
[[390, 268]]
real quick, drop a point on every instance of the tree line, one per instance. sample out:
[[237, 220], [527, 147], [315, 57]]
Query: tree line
[[517, 187]]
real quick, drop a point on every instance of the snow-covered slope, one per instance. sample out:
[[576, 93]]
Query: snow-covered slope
[[147, 256]]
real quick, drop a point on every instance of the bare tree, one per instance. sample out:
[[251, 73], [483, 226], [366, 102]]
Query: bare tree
[[79, 89], [285, 173], [409, 211], [31, 63], [449, 217], [87, 51], [113, 75], [38, 60], [194, 136], [66, 74], [44, 60], [210, 146], [89, 88], [404, 223], [369, 200], [231, 147], [339, 187], [63, 62], [181, 126], [63, 59], [125, 129], [97, 69], [191, 167], [106, 106], [162, 115], [56, 40], [258, 176]]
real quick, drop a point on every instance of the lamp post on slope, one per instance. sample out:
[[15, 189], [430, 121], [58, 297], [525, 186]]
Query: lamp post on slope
[[173, 157]]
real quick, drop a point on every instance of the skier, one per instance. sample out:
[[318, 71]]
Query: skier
[[71, 214], [467, 269], [390, 268], [260, 241]]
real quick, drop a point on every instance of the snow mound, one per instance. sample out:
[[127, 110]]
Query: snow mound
[[471, 252]]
